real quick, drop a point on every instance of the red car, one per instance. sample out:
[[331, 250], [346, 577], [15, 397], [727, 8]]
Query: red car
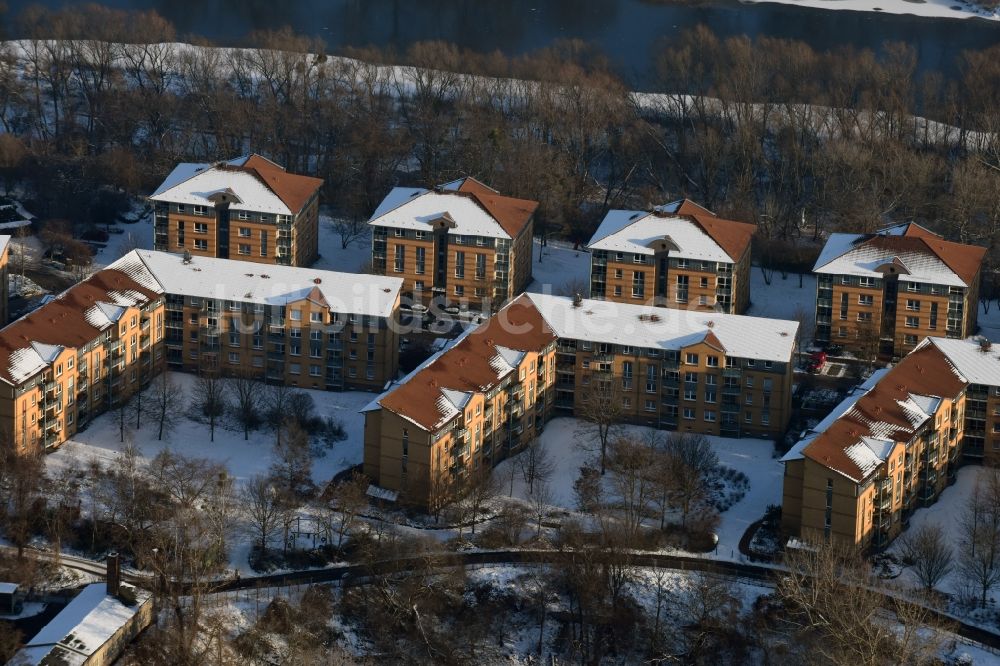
[[816, 361]]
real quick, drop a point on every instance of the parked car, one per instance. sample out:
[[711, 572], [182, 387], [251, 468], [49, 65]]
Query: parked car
[[816, 361]]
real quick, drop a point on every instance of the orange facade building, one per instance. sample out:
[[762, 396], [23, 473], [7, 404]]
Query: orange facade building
[[248, 208], [107, 337], [487, 396], [460, 244], [880, 294], [888, 449], [678, 255]]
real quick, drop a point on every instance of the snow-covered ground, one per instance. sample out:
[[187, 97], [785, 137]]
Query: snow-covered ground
[[785, 299], [928, 8], [333, 257], [989, 322], [101, 439], [562, 270], [753, 457], [138, 235]]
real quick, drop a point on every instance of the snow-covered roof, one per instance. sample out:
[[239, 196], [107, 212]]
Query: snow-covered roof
[[8, 588], [978, 364], [634, 231], [83, 626], [842, 255], [224, 279], [417, 209], [666, 328], [193, 184]]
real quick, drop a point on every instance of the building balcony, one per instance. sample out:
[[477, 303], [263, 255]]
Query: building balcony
[[731, 372], [275, 356]]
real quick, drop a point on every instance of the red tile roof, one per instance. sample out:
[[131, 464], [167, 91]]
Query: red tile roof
[[925, 372], [510, 213], [294, 190], [471, 365]]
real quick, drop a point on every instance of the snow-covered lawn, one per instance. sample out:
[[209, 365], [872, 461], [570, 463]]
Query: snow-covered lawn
[[784, 299], [928, 8], [560, 267], [332, 257], [102, 440], [753, 457]]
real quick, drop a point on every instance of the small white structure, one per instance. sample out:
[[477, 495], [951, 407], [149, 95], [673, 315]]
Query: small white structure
[[94, 628]]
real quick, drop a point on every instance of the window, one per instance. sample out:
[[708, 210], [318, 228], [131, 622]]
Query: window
[[243, 215], [690, 394], [912, 286], [704, 282], [199, 210], [316, 317], [314, 370], [688, 414], [244, 249], [200, 228], [244, 232], [419, 235], [682, 289], [651, 407], [480, 266], [459, 264], [750, 382], [295, 315], [234, 358], [459, 290], [710, 415], [691, 377], [263, 243], [913, 305], [399, 261], [712, 361], [866, 299], [691, 359], [618, 273], [638, 284], [398, 233], [200, 244], [909, 339], [864, 316], [867, 281], [421, 260], [710, 396], [295, 368], [912, 322], [842, 332], [747, 417]]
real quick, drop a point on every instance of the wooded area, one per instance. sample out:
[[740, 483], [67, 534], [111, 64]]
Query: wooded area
[[773, 132]]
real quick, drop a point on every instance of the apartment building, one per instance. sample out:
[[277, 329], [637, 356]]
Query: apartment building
[[978, 362], [460, 244], [76, 356], [889, 448], [465, 409], [108, 336], [880, 294], [248, 208], [679, 255], [472, 404], [303, 327]]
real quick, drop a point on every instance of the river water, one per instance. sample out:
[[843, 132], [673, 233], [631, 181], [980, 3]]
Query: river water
[[627, 30]]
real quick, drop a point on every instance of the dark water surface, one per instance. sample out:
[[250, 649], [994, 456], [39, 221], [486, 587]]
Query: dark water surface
[[626, 30]]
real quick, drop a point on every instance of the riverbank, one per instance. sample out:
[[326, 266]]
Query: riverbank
[[922, 8]]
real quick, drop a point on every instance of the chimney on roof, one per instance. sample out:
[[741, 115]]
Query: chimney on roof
[[577, 300], [187, 257], [985, 345], [114, 573]]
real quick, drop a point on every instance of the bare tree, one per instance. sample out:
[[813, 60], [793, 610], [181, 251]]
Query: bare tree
[[22, 488], [244, 389], [210, 397], [979, 546], [631, 463], [167, 405], [690, 461], [602, 414], [480, 488], [348, 500], [926, 550], [536, 464], [540, 499], [291, 465], [263, 507], [350, 228]]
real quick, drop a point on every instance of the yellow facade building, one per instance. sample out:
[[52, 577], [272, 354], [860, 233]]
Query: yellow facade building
[[473, 404], [679, 255], [461, 244], [881, 294], [248, 208], [105, 338]]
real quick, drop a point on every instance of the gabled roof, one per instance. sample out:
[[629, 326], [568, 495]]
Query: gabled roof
[[926, 256], [475, 209], [697, 232], [257, 183], [440, 390], [73, 319], [890, 411]]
